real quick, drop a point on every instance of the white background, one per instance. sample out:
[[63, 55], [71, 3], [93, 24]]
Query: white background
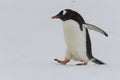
[[30, 40]]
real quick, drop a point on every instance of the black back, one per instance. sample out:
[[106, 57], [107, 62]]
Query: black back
[[88, 45]]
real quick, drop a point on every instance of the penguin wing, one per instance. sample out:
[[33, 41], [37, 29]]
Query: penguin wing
[[93, 27]]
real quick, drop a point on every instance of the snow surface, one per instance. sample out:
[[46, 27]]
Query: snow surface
[[30, 40]]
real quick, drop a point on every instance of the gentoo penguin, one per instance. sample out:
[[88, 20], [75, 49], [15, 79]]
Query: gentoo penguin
[[77, 37]]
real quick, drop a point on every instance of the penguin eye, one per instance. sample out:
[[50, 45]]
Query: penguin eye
[[64, 12]]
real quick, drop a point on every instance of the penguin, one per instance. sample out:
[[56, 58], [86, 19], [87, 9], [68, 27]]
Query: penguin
[[77, 38]]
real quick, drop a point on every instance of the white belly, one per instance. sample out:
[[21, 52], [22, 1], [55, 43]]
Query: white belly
[[75, 40]]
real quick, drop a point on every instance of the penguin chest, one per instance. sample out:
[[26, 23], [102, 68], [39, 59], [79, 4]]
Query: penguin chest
[[75, 40]]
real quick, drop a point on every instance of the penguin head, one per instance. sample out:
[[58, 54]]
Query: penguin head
[[65, 14], [68, 14]]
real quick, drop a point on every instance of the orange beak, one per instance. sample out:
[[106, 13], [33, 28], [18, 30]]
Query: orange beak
[[55, 17]]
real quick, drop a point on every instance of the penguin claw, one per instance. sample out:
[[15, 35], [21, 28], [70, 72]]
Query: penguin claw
[[81, 64], [57, 60], [62, 62]]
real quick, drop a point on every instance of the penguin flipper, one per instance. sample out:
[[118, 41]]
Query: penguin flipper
[[93, 27]]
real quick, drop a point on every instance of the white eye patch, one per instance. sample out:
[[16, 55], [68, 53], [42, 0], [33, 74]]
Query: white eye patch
[[64, 12]]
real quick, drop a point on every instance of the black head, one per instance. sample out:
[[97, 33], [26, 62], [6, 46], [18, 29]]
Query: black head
[[68, 14]]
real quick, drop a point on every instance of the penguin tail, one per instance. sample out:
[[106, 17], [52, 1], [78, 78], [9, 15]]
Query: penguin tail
[[94, 60]]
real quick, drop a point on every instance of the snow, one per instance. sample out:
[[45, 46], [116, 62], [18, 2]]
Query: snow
[[30, 40]]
